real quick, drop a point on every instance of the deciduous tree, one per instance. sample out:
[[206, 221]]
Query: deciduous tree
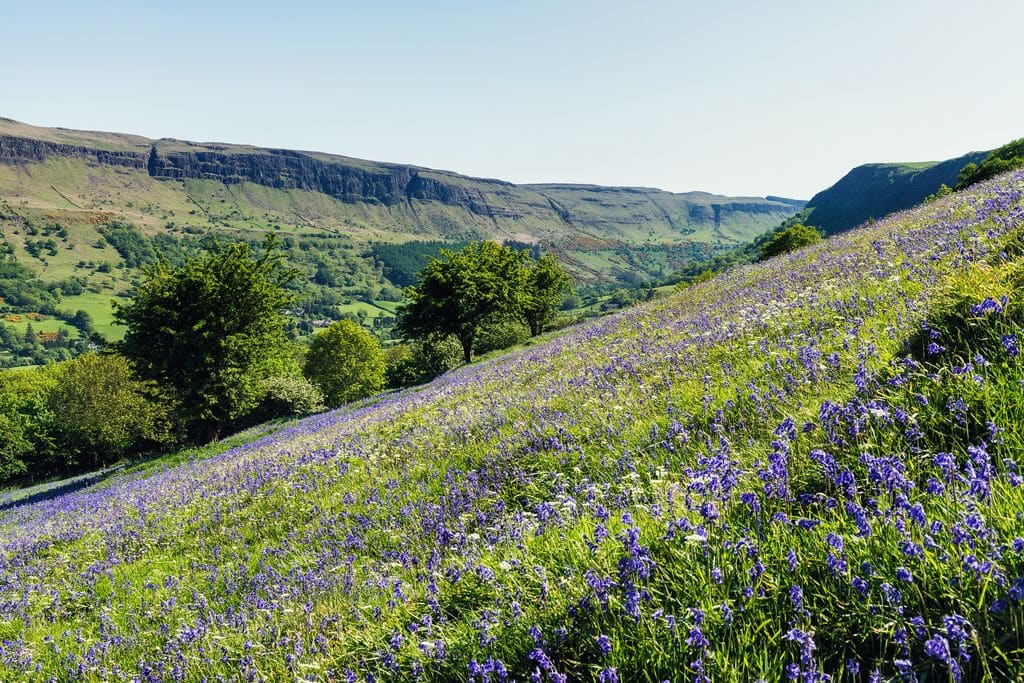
[[100, 413], [210, 331], [345, 362], [457, 293], [546, 283]]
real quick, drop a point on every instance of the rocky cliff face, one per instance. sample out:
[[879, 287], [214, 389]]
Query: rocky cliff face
[[383, 184], [285, 169], [23, 150], [282, 169], [419, 203]]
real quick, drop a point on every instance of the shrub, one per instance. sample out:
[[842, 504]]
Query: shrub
[[288, 396], [502, 334], [790, 239], [345, 362], [399, 369], [409, 364]]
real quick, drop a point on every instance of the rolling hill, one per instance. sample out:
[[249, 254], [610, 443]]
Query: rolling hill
[[803, 469], [876, 190]]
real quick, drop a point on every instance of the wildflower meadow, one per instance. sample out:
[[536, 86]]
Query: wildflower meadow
[[806, 469]]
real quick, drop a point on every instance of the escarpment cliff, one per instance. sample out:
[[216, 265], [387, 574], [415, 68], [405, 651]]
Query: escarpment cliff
[[15, 149], [173, 185], [289, 170]]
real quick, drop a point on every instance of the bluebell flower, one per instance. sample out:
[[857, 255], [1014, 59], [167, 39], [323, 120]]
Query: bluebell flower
[[1011, 345]]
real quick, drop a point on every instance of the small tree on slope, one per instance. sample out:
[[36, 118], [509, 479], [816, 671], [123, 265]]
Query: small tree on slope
[[210, 331], [345, 362], [459, 292], [546, 283]]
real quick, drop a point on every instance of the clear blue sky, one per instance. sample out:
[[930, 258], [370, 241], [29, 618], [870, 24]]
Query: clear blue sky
[[743, 97]]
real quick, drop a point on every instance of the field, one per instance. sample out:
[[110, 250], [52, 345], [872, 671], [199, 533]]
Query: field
[[377, 309], [806, 469]]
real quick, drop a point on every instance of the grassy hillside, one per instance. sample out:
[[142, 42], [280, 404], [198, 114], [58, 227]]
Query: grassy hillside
[[1009, 157], [241, 189], [803, 467], [876, 190], [63, 191]]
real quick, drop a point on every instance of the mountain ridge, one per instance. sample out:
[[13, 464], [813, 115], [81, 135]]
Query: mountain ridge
[[25, 135], [600, 231], [83, 210]]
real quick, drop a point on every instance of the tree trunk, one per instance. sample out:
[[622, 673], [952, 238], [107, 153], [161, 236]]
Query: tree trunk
[[467, 349], [210, 432]]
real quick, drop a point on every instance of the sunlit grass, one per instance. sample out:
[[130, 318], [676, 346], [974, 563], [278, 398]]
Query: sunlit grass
[[743, 481]]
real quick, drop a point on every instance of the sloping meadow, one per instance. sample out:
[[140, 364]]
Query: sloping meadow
[[806, 468]]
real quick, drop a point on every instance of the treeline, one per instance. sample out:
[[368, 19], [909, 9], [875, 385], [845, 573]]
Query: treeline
[[403, 261], [33, 347], [1009, 157], [137, 250], [93, 411], [21, 290], [206, 351]]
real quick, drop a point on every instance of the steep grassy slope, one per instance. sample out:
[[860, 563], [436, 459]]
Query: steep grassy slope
[[808, 466], [876, 190]]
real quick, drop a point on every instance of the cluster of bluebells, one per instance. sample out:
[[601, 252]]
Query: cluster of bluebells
[[587, 508]]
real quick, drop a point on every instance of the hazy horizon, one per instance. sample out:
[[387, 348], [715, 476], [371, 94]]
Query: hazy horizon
[[736, 99]]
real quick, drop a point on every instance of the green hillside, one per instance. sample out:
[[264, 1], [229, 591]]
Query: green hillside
[[156, 184], [1006, 158], [876, 190], [88, 209], [803, 469]]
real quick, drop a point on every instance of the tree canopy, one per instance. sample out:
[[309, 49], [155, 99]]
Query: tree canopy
[[210, 330], [546, 283], [345, 362], [456, 294], [1007, 158], [793, 237]]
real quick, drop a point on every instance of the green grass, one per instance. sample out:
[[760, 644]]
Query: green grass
[[372, 310], [46, 325], [98, 306], [389, 306], [486, 510]]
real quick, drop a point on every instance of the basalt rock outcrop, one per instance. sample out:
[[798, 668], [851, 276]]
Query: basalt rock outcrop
[[24, 150], [420, 202]]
